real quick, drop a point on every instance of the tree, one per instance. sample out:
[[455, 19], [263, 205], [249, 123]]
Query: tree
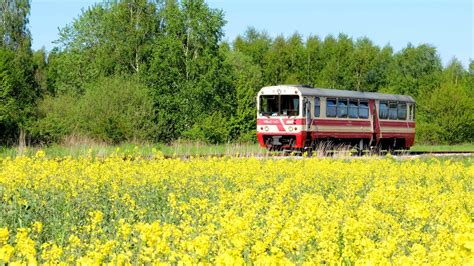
[[336, 54], [377, 76], [253, 44], [18, 90], [414, 71], [455, 73], [313, 60], [40, 70], [186, 69], [362, 62], [108, 38], [247, 82], [276, 68], [448, 116], [295, 59]]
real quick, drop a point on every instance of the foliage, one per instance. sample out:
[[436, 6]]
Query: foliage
[[18, 90], [212, 128], [127, 210], [415, 71], [187, 71], [116, 109], [112, 109], [57, 118], [448, 116]]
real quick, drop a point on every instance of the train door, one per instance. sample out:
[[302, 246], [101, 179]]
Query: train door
[[375, 123], [307, 113]]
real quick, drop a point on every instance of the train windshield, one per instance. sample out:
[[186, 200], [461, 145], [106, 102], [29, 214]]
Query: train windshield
[[274, 105]]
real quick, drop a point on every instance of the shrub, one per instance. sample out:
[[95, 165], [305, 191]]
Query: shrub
[[112, 109], [446, 116]]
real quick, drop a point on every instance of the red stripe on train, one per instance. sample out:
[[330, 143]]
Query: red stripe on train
[[271, 122]]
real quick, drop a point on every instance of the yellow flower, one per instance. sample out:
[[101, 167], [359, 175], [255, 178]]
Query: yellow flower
[[37, 227], [3, 235]]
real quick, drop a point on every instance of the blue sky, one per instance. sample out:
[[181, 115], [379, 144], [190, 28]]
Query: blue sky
[[447, 25]]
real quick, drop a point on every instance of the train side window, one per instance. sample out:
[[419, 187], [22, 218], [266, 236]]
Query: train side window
[[317, 106], [353, 106], [412, 111], [331, 110], [363, 109], [341, 107], [383, 110], [402, 111], [392, 111]]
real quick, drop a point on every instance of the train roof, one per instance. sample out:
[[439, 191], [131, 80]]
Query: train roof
[[305, 91]]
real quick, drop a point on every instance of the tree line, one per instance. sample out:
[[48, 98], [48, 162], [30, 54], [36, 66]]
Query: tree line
[[143, 70]]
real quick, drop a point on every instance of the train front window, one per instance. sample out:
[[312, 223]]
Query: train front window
[[269, 105], [290, 105], [274, 105]]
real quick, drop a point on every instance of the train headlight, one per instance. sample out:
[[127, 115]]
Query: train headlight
[[290, 129], [266, 128]]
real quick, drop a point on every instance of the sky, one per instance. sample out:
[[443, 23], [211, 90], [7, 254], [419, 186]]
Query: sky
[[444, 24]]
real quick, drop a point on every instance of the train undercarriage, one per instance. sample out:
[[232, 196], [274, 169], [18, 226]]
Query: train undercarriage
[[360, 146]]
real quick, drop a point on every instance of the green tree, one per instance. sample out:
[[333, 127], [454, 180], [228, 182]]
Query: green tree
[[455, 73], [415, 71], [377, 76], [40, 67], [362, 62], [112, 37], [448, 116], [253, 44], [186, 70], [18, 91], [313, 61], [336, 54], [247, 82]]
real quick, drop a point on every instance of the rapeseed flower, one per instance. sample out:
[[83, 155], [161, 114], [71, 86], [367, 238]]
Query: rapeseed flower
[[125, 210]]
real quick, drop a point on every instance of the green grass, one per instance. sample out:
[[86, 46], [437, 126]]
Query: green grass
[[180, 148], [434, 148], [145, 150]]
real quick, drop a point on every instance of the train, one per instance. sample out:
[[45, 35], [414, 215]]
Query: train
[[299, 117]]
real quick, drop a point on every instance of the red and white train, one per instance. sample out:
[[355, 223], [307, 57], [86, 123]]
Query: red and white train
[[300, 117]]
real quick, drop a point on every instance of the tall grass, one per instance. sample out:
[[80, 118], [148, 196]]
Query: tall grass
[[83, 147]]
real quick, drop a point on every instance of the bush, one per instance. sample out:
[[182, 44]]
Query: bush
[[116, 109], [213, 128], [112, 109], [446, 116], [58, 117]]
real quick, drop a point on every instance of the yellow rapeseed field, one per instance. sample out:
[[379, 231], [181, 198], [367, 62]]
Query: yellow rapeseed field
[[233, 211]]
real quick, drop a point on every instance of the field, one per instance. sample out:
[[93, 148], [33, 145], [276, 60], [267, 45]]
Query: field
[[124, 209]]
